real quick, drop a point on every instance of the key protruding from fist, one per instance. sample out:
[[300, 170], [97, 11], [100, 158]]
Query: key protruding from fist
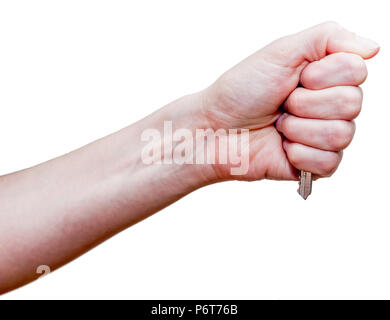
[[298, 96]]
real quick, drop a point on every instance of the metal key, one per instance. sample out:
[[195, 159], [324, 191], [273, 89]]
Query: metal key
[[305, 182]]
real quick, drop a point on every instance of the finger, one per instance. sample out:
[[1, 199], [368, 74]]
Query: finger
[[339, 69], [332, 135], [315, 43], [319, 162], [343, 103]]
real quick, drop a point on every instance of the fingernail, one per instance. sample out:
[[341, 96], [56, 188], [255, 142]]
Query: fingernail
[[368, 43], [278, 123]]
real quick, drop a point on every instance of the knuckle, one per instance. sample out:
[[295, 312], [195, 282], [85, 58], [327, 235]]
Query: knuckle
[[340, 135], [350, 102], [328, 165], [352, 110], [357, 68], [332, 25], [353, 95]]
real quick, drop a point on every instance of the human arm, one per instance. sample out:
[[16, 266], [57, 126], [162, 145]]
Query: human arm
[[52, 213]]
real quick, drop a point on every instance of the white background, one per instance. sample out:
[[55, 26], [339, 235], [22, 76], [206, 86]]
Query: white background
[[74, 71]]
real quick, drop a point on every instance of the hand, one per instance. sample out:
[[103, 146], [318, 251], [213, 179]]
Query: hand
[[327, 61], [53, 212]]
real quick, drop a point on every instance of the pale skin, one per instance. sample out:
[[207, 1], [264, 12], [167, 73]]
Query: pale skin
[[298, 96]]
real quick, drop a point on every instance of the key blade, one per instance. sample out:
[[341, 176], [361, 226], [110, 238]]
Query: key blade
[[305, 184]]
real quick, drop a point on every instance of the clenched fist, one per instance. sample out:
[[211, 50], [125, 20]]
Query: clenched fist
[[298, 96]]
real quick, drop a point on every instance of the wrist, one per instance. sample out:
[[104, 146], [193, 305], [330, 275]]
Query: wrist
[[160, 138], [181, 138]]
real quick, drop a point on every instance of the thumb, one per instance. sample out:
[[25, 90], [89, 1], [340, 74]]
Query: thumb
[[315, 43]]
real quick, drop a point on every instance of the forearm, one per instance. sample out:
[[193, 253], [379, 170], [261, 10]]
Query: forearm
[[52, 213]]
